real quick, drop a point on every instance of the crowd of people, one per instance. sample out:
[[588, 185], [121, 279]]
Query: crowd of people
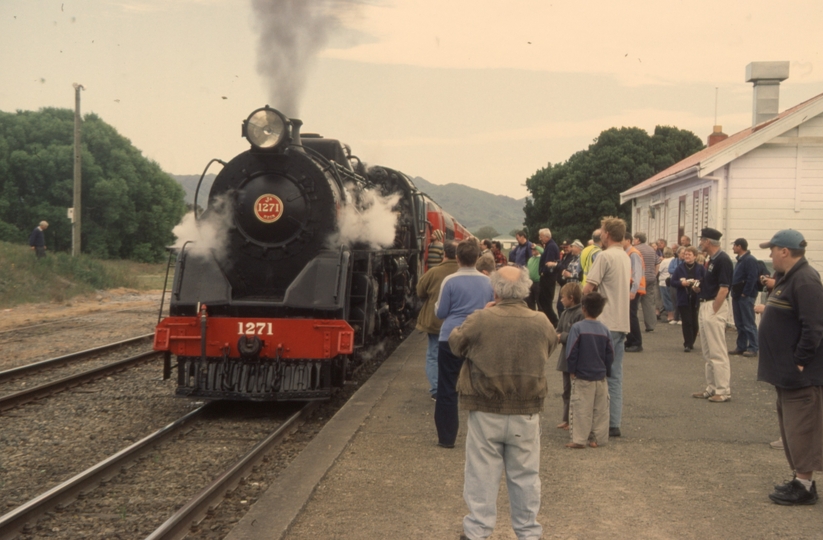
[[475, 295]]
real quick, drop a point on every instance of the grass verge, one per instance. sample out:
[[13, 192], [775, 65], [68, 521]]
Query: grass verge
[[59, 276]]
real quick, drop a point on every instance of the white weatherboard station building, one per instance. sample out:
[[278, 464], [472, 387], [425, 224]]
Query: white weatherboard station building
[[751, 184]]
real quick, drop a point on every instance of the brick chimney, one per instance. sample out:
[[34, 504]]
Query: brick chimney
[[717, 135], [766, 77]]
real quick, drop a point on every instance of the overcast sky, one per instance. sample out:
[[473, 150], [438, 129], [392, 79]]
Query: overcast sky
[[482, 93]]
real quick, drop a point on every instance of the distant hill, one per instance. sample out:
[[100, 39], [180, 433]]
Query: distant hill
[[472, 207]]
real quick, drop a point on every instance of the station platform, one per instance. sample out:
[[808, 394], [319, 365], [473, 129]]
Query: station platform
[[683, 468]]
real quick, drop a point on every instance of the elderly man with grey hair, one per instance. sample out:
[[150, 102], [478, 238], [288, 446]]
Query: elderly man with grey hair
[[502, 384], [548, 281]]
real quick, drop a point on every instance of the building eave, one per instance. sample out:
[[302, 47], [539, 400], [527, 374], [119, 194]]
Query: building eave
[[663, 182]]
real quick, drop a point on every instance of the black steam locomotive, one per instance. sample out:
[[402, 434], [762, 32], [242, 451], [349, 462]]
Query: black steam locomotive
[[282, 311]]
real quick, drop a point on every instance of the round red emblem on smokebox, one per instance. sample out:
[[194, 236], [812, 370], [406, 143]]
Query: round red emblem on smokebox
[[268, 208]]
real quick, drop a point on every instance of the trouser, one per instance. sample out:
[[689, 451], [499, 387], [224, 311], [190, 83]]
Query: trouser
[[567, 394], [546, 299], [615, 380], [673, 296], [666, 299], [534, 294], [445, 410], [649, 309], [713, 343], [496, 443], [743, 310], [688, 317], [589, 411], [800, 415], [40, 251], [431, 362], [635, 337]]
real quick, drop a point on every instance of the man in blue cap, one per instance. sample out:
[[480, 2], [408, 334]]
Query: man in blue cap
[[791, 359], [713, 313]]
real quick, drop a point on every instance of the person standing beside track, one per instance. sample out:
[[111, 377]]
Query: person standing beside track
[[791, 359], [428, 289], [461, 294], [37, 241], [503, 385]]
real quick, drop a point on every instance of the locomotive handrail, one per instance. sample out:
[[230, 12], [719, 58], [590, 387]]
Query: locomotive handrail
[[197, 190]]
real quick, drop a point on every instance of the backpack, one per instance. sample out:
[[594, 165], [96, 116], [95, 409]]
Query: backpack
[[761, 271]]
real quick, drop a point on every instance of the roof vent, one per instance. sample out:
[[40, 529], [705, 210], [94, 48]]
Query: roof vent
[[766, 77]]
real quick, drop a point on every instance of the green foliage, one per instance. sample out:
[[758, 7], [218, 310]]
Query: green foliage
[[129, 205], [570, 198], [487, 231], [59, 276]]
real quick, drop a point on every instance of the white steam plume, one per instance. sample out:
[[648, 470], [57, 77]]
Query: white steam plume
[[291, 33], [209, 235], [372, 221]]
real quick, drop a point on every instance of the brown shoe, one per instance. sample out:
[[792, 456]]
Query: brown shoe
[[575, 446], [720, 399], [749, 354], [563, 425], [702, 395], [592, 444]]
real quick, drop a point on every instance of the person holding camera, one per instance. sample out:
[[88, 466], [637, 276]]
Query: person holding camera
[[683, 280]]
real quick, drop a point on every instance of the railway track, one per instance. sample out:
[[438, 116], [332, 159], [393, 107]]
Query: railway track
[[15, 399], [54, 503]]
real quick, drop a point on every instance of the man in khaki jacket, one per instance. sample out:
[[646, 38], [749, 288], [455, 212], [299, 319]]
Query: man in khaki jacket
[[502, 384], [428, 290]]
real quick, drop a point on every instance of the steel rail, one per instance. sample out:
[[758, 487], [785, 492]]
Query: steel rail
[[23, 518], [24, 396], [67, 358], [180, 524]]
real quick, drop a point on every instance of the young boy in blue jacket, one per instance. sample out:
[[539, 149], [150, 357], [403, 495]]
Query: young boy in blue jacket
[[589, 355]]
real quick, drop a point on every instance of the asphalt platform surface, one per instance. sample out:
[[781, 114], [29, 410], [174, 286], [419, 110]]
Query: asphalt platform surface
[[684, 468]]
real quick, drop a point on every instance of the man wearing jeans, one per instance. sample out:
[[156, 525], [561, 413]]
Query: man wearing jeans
[[428, 289], [503, 384], [744, 293], [611, 276]]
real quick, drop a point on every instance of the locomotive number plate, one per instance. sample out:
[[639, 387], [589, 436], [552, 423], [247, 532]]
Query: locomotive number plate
[[254, 329], [268, 208]]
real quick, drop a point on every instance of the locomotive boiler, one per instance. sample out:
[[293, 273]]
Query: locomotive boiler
[[284, 307]]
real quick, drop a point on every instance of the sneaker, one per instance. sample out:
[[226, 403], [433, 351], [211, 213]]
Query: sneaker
[[635, 348], [614, 432], [672, 321], [785, 486], [680, 323], [720, 399], [749, 354], [735, 352], [795, 494], [434, 398], [778, 444], [705, 394]]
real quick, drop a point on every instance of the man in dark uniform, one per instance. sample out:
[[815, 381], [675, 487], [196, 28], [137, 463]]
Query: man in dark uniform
[[548, 263], [791, 359], [713, 313], [37, 241]]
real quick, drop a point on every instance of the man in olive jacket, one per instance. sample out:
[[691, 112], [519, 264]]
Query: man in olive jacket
[[791, 359], [428, 290], [502, 384]]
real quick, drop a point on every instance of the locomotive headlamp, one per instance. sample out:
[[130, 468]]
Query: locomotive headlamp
[[266, 128]]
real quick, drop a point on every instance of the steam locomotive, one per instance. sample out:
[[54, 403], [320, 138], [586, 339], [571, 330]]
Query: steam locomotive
[[284, 310]]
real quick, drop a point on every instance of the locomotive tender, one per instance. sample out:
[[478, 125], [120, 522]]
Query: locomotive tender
[[284, 312]]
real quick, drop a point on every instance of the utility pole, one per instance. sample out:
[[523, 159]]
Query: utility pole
[[75, 226]]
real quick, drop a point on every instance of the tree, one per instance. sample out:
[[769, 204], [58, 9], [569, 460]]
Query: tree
[[130, 205], [570, 198], [487, 231]]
